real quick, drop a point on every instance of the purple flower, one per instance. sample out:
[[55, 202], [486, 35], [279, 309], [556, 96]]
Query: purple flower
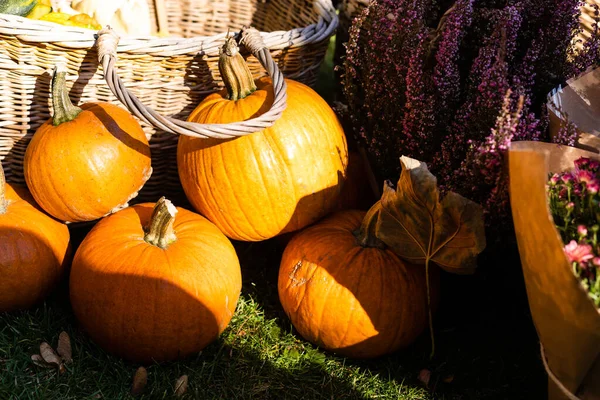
[[576, 252]]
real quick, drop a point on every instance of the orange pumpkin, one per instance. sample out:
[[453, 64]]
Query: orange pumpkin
[[148, 286], [345, 292], [85, 162], [278, 180], [34, 249]]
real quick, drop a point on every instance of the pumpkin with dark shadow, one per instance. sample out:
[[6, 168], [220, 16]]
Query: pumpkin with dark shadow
[[155, 282], [34, 249], [85, 162], [345, 292]]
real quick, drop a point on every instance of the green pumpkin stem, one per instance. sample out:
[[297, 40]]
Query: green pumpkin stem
[[234, 71], [64, 110], [366, 235], [159, 231], [3, 202]]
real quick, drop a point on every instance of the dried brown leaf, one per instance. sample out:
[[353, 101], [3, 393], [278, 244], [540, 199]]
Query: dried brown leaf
[[181, 385], [419, 228], [39, 361], [49, 356], [448, 379], [424, 376], [64, 347], [139, 381]]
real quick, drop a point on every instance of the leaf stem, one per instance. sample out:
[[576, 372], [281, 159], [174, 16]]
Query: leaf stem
[[431, 335]]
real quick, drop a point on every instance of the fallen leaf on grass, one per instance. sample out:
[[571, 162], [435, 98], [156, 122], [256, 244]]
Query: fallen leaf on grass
[[39, 361], [64, 347], [139, 381], [424, 377], [448, 379], [181, 385], [49, 356]]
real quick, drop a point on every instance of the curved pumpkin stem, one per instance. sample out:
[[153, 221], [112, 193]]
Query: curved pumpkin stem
[[159, 231], [366, 235], [3, 202], [234, 71], [64, 110]]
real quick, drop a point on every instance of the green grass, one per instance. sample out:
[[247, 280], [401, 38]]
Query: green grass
[[486, 343]]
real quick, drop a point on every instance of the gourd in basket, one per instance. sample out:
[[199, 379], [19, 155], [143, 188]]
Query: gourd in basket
[[273, 181], [84, 163]]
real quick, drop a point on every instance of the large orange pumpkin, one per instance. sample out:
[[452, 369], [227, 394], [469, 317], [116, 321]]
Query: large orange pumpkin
[[270, 182], [34, 249], [147, 285], [345, 292], [85, 162]]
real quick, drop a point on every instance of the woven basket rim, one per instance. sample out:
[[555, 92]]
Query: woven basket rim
[[36, 31]]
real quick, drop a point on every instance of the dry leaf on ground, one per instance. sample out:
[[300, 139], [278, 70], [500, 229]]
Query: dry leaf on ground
[[424, 376], [181, 385], [139, 381], [49, 356], [64, 347], [39, 361]]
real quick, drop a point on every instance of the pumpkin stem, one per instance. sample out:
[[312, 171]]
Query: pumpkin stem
[[3, 202], [234, 71], [365, 235], [64, 110], [159, 231]]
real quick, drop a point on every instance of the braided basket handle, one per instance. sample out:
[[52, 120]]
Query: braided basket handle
[[106, 45]]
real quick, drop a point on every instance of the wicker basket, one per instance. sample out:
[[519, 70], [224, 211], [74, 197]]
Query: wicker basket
[[167, 74]]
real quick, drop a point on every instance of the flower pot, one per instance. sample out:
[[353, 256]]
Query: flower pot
[[566, 320]]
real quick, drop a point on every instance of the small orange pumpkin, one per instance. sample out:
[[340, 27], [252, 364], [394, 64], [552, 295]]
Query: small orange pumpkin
[[85, 162], [148, 286], [34, 249], [345, 292], [278, 180]]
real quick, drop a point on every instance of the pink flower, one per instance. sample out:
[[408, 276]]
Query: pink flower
[[567, 177], [585, 176], [582, 162], [555, 178], [593, 187], [578, 252], [570, 206], [596, 261], [582, 230]]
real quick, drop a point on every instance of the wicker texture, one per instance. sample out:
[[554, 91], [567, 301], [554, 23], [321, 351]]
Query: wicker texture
[[169, 75]]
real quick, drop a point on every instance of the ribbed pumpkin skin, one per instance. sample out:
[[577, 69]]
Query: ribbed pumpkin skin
[[34, 249], [354, 301], [270, 182], [144, 303], [82, 169]]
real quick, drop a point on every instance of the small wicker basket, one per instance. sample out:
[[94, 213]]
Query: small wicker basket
[[169, 75]]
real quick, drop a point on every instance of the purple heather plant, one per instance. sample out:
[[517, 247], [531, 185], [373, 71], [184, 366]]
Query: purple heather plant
[[429, 80], [574, 203]]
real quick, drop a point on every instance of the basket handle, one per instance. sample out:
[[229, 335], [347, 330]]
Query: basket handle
[[106, 44]]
